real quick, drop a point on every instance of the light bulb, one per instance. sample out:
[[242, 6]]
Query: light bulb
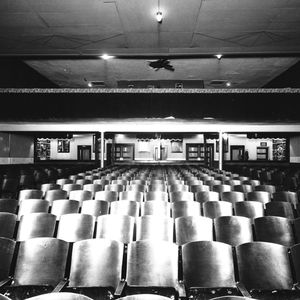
[[106, 56], [159, 16]]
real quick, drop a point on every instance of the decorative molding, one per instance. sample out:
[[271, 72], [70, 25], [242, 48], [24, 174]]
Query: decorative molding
[[147, 91]]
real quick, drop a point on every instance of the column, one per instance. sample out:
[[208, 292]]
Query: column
[[102, 149], [96, 146], [205, 150], [220, 150]]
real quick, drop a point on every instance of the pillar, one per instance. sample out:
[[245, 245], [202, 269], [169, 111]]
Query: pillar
[[220, 150], [102, 149]]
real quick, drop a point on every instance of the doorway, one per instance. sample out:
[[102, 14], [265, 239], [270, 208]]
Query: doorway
[[237, 152], [84, 152], [109, 155]]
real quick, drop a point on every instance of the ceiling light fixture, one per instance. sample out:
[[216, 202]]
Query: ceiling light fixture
[[159, 17], [106, 56], [218, 56]]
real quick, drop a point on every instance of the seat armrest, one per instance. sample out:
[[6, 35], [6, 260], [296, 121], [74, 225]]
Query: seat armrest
[[181, 289], [120, 288], [60, 285], [243, 290], [5, 281]]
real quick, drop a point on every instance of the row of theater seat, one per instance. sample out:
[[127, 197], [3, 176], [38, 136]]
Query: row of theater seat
[[73, 296], [147, 259], [233, 230], [135, 192], [146, 263], [208, 208]]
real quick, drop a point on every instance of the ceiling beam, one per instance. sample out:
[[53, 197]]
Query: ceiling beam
[[147, 91], [150, 55]]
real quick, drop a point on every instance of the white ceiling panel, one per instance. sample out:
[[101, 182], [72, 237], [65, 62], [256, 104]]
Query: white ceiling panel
[[242, 73]]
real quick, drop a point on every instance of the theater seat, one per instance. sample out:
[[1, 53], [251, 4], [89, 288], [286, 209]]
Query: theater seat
[[275, 230], [115, 227], [52, 195], [115, 187], [130, 195], [185, 208], [261, 196], [280, 209], [178, 188], [30, 194], [152, 265], [249, 209], [2, 297], [156, 195], [125, 207], [154, 228], [193, 228], [95, 207], [136, 188], [60, 296], [158, 208], [96, 263], [244, 188], [208, 264], [7, 248], [81, 196], [108, 196], [8, 223], [62, 207], [71, 187], [295, 253], [297, 229], [203, 197], [75, 227], [232, 298], [9, 188], [144, 297], [233, 230], [63, 181], [286, 196], [40, 262], [48, 187], [36, 225], [232, 196], [220, 188], [199, 188], [215, 209], [28, 206], [9, 205], [264, 266], [266, 187], [93, 188]]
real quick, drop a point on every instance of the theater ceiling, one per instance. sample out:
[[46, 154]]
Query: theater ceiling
[[64, 39]]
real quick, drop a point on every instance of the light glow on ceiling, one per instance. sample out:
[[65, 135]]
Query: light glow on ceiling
[[106, 56]]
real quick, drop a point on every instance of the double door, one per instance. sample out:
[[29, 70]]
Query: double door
[[200, 152]]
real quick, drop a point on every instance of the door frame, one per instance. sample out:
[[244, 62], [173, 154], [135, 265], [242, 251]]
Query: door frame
[[79, 149], [237, 147]]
